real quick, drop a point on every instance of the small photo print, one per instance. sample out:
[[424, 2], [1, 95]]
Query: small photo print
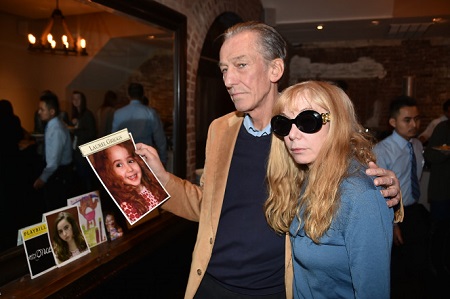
[[125, 175], [114, 230], [37, 249], [65, 235], [91, 219]]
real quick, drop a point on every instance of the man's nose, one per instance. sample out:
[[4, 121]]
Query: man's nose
[[229, 78]]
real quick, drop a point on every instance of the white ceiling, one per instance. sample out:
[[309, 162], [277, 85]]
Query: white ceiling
[[297, 19]]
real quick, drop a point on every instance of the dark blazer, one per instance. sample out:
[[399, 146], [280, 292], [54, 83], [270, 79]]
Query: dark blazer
[[438, 186]]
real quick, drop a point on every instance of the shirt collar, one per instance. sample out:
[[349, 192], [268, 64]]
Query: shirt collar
[[248, 124], [402, 142]]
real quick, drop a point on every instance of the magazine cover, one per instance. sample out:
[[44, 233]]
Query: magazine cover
[[37, 249], [125, 175], [66, 237], [91, 219]]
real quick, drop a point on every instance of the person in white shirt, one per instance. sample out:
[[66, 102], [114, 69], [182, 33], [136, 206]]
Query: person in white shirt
[[426, 134]]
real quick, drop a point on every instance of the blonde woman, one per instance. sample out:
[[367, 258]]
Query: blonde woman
[[339, 224]]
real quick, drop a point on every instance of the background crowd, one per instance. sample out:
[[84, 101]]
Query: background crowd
[[43, 168]]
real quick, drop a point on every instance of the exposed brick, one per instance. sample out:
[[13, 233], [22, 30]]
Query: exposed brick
[[200, 16]]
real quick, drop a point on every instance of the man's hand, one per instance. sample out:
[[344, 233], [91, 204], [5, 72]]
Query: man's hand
[[150, 156], [388, 180]]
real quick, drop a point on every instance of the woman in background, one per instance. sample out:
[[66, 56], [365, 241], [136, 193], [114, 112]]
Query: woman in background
[[68, 241], [339, 223], [12, 166], [84, 131], [105, 113]]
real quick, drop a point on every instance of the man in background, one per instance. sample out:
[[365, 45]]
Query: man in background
[[426, 134], [56, 179], [437, 157], [141, 121], [401, 152]]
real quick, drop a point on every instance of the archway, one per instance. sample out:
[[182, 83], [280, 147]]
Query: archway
[[212, 99]]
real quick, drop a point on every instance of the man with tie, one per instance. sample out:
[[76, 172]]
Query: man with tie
[[401, 152]]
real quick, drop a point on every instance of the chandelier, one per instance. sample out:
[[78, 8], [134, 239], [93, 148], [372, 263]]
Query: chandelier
[[46, 43]]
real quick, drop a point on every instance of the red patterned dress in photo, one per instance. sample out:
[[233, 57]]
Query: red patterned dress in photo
[[131, 211]]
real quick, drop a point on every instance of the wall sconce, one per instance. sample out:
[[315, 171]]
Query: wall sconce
[[46, 43]]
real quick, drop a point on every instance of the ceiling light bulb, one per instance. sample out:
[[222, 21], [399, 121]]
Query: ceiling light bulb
[[319, 27], [31, 39], [46, 43]]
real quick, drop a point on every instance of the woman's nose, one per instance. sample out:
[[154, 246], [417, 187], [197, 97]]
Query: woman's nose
[[294, 133]]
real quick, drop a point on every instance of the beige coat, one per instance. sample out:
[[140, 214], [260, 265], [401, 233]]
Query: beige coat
[[204, 204]]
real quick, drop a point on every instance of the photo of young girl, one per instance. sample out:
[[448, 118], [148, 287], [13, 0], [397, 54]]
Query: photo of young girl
[[66, 237], [113, 229], [129, 180]]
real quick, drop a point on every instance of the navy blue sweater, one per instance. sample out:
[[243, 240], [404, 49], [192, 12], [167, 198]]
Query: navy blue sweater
[[248, 257]]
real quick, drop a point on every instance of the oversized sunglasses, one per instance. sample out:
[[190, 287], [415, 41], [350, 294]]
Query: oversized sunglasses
[[308, 121]]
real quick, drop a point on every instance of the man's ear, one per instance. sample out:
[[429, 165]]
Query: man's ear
[[392, 122], [277, 69], [52, 112]]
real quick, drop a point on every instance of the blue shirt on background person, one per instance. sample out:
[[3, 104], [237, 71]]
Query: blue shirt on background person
[[58, 149], [56, 179], [393, 153], [142, 122]]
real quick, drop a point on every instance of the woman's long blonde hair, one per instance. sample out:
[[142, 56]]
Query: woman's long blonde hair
[[346, 139]]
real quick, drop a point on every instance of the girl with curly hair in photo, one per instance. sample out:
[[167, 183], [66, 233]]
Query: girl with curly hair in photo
[[129, 180]]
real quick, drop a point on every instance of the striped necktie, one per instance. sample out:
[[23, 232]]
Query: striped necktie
[[415, 188]]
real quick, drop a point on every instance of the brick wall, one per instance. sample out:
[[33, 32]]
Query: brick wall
[[373, 70], [200, 16], [373, 83]]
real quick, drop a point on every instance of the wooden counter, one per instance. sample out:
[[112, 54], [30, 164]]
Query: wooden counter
[[105, 261]]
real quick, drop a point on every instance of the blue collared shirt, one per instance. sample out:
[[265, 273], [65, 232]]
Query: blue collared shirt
[[248, 124], [58, 147], [393, 154], [144, 124]]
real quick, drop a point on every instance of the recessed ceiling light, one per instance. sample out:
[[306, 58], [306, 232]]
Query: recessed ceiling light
[[375, 22], [319, 27]]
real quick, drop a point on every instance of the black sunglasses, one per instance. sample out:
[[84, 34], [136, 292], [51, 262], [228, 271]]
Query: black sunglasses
[[308, 121]]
